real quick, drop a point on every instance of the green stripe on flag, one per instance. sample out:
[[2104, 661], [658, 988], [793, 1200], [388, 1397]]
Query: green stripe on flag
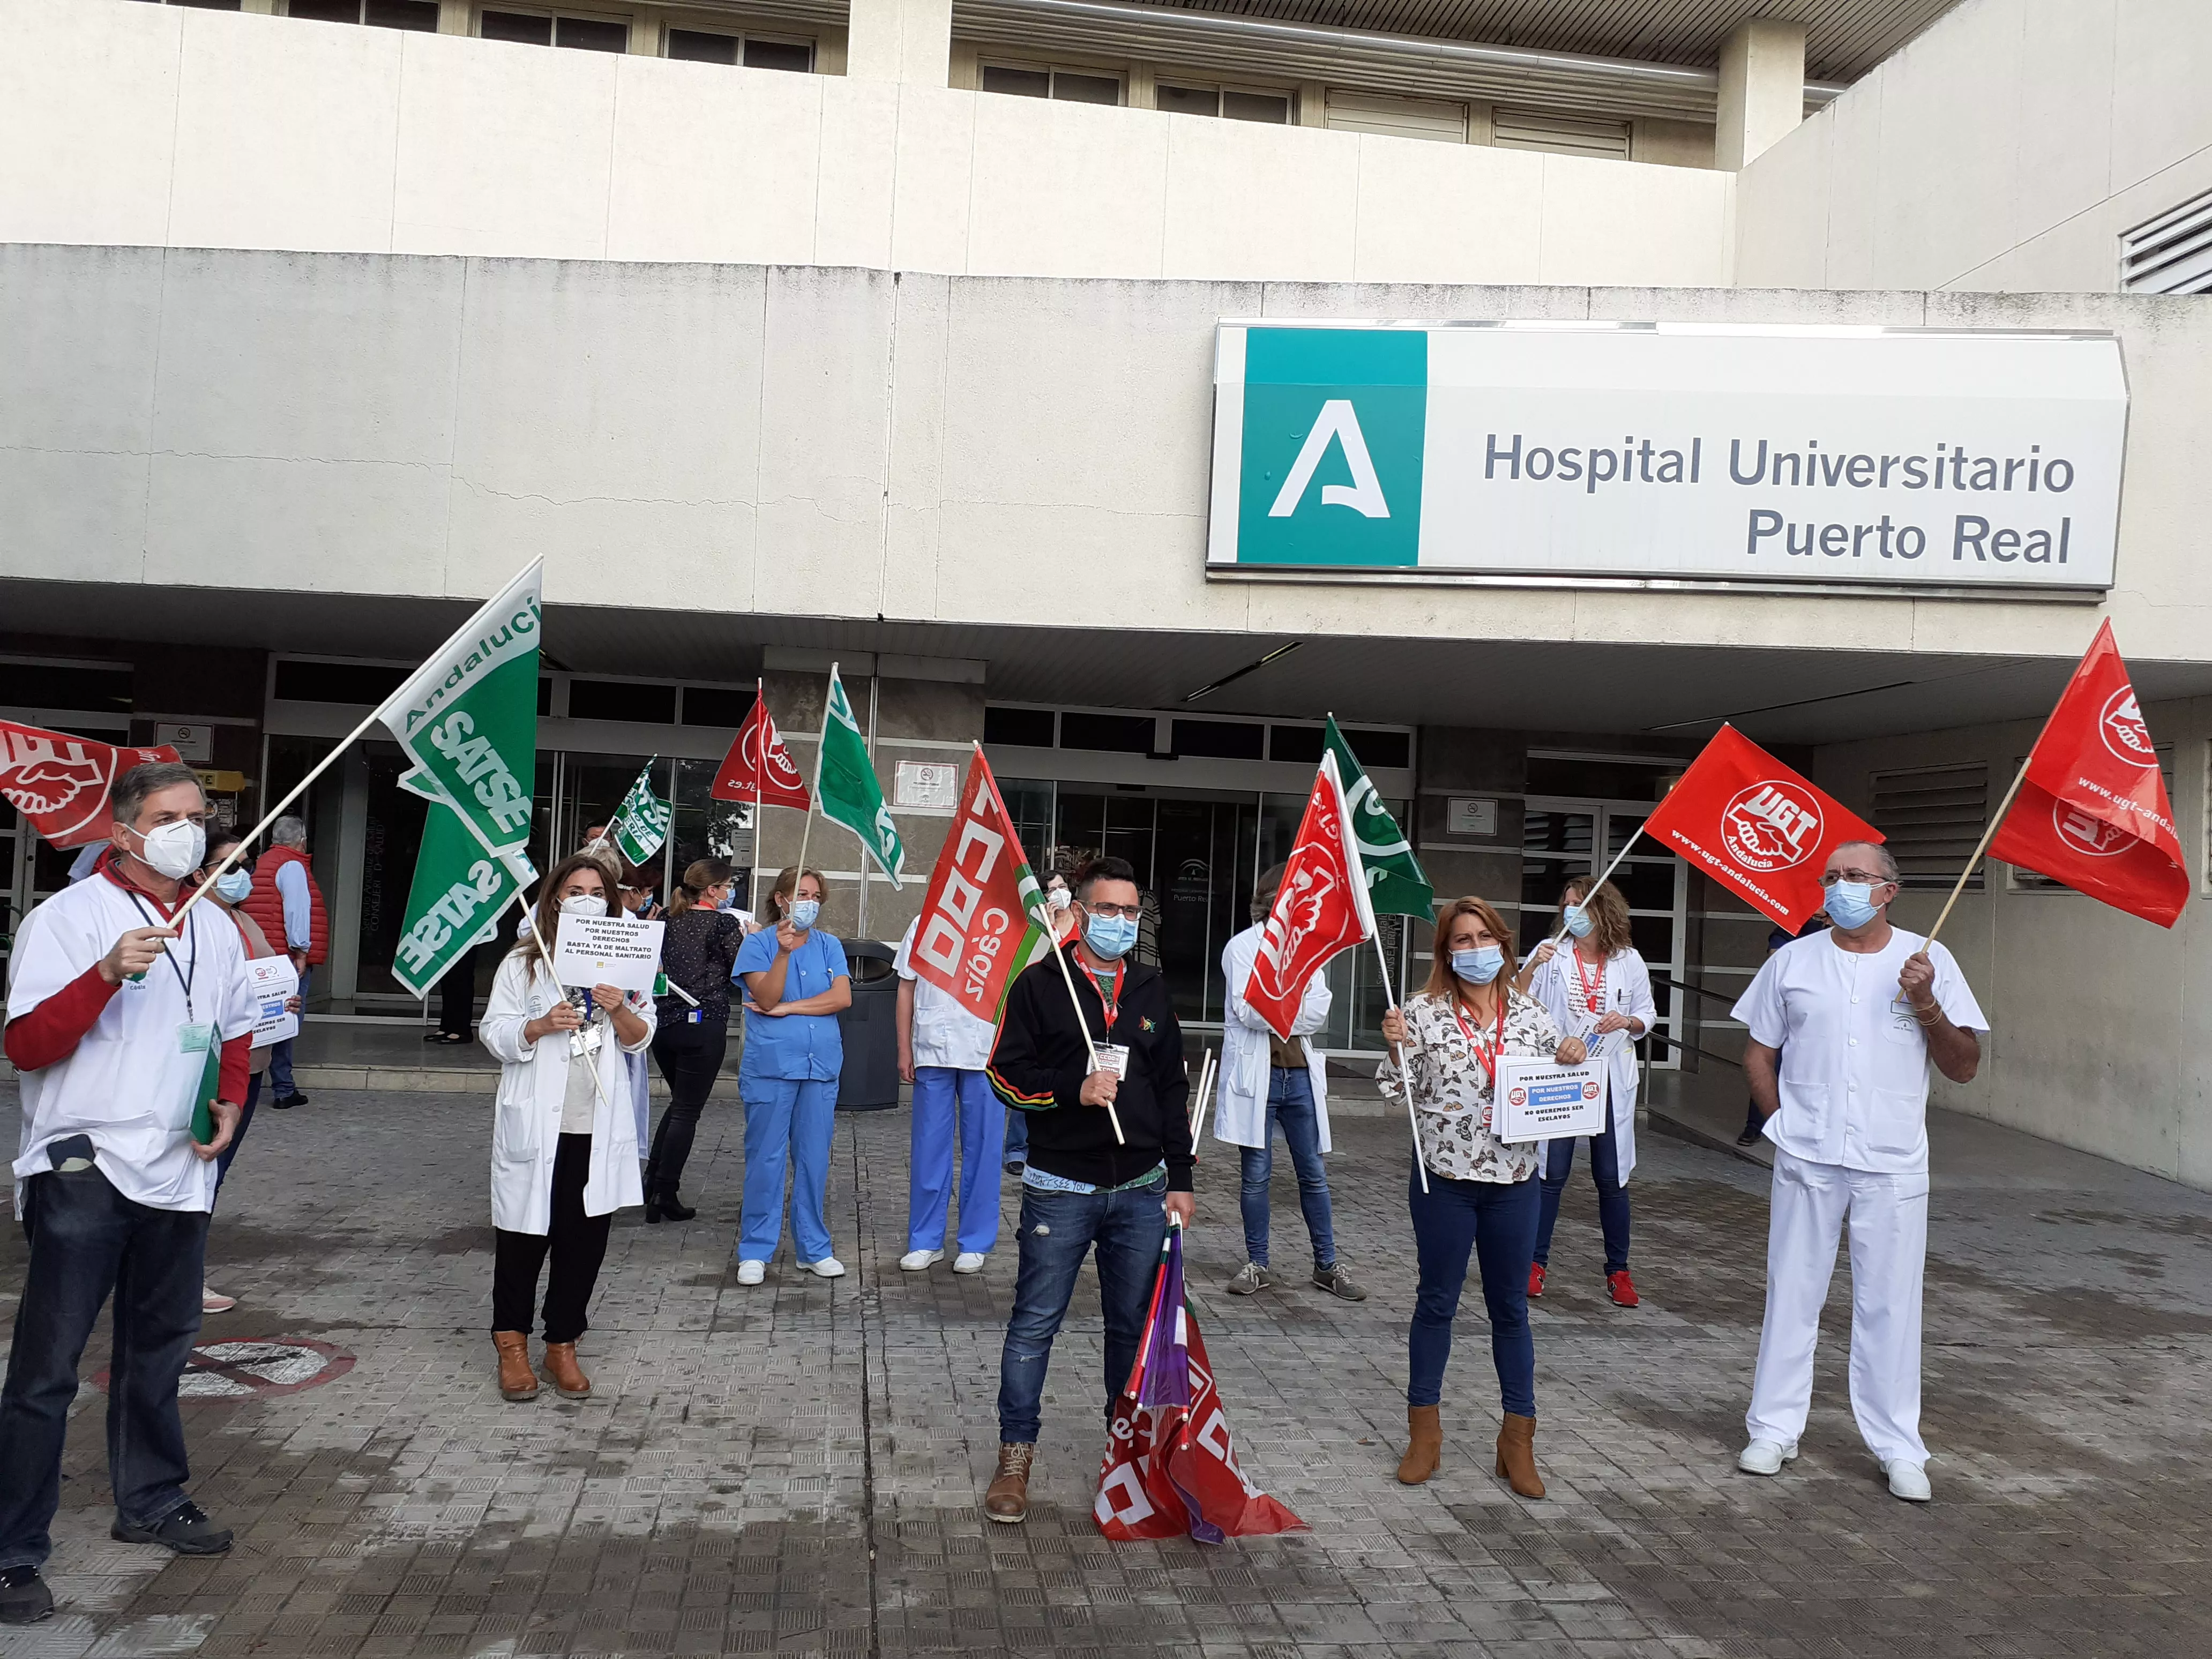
[[1395, 884]]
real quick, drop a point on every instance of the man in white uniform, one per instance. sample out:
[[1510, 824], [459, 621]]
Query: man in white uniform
[[117, 1019], [943, 1049], [1843, 1027]]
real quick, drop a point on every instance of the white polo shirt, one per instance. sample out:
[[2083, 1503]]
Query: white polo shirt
[[945, 1033], [128, 1082], [1854, 1068]]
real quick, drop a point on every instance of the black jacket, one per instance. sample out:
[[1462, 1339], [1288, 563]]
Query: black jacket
[[1040, 1061]]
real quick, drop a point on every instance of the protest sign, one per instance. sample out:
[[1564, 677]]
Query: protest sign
[[615, 950], [274, 981], [1539, 1099]]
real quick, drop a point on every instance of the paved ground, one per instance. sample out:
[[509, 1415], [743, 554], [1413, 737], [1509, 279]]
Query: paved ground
[[795, 1469]]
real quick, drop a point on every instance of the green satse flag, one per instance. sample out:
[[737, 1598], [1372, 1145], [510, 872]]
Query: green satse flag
[[1396, 885], [641, 821], [849, 793], [458, 895], [468, 719]]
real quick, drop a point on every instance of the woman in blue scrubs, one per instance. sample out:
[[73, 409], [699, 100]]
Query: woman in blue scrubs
[[796, 982]]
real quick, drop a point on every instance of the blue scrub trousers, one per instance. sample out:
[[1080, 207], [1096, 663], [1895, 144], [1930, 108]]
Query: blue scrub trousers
[[945, 1099], [786, 1118]]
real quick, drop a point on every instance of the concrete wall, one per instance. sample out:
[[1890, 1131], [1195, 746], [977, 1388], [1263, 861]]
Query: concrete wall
[[2006, 149], [2101, 1023], [127, 124], [845, 444]]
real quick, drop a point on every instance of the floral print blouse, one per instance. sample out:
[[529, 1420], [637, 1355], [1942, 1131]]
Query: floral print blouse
[[1452, 1091]]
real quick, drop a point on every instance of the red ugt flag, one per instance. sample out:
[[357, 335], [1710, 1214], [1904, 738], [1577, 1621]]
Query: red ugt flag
[[979, 925], [2093, 811], [759, 767], [61, 783], [1170, 1468], [1755, 826], [1321, 908]]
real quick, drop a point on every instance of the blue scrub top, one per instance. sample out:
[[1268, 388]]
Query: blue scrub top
[[803, 1046]]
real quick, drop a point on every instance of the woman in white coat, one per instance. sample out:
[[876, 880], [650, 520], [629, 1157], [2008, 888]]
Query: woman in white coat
[[1592, 987], [564, 1137], [1268, 1080]]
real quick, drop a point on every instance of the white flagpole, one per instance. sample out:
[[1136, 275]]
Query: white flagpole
[[760, 767], [806, 830], [1554, 940], [1405, 1075], [1083, 1024]]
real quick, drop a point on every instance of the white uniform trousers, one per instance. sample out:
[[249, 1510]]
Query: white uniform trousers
[[1889, 1244]]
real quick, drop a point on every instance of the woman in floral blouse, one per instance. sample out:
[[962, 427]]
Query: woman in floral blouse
[[1481, 1197]]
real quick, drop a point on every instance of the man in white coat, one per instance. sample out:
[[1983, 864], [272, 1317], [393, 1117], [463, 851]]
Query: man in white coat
[[1844, 1025], [1268, 1080]]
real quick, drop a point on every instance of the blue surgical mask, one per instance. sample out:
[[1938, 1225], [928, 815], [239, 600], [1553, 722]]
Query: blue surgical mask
[[1850, 904], [234, 886], [1478, 966], [804, 913], [1578, 921], [1110, 937]]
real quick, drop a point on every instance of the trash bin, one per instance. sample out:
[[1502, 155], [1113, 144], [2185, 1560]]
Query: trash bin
[[869, 1081]]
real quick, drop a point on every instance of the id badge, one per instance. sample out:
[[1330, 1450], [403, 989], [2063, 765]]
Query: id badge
[[195, 1038], [585, 1041], [1112, 1057]]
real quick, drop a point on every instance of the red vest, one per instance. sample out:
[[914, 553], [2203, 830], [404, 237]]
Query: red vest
[[266, 905]]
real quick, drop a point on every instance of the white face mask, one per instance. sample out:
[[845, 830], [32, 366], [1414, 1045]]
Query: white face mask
[[175, 849], [1055, 898], [583, 904]]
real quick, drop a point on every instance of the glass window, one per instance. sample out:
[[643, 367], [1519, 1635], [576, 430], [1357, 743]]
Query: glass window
[[622, 700], [1298, 743], [1188, 100], [361, 682], [590, 35], [795, 56], [703, 827], [419, 16], [1270, 107], [1121, 734], [1018, 82], [1378, 748], [1029, 728], [1220, 739], [36, 685], [716, 705], [520, 27], [697, 46], [1085, 88]]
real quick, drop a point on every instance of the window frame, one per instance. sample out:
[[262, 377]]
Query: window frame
[[1052, 70], [627, 21]]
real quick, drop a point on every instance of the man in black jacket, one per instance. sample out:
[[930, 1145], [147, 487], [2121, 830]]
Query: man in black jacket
[[1122, 1060]]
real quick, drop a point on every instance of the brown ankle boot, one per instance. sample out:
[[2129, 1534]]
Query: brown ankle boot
[[1008, 1498], [1424, 1444], [516, 1380], [1517, 1456], [568, 1381]]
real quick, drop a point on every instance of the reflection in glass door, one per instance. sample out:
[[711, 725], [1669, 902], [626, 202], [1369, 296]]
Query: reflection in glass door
[[1561, 839]]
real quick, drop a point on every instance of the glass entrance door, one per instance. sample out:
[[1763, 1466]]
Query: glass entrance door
[[1561, 838]]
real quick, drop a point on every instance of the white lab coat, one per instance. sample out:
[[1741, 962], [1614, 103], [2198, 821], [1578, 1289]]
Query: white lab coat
[[1240, 1108], [1627, 991], [534, 1080]]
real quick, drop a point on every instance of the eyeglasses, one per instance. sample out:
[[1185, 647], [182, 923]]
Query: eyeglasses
[[1867, 876], [1128, 912]]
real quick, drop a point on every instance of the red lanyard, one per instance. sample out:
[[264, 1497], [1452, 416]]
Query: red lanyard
[[1112, 1004], [1488, 1055], [1593, 989]]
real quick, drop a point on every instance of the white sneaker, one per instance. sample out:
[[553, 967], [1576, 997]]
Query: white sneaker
[[970, 1261], [1908, 1480], [1765, 1456], [915, 1261], [829, 1268], [751, 1273], [213, 1301]]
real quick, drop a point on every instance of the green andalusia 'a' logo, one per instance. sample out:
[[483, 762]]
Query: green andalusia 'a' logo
[[1334, 424]]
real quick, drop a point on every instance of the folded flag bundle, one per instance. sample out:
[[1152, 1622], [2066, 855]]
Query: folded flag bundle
[[1169, 1467]]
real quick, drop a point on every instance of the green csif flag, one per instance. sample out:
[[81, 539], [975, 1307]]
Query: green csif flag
[[458, 895], [847, 789], [641, 824], [468, 719], [1396, 885]]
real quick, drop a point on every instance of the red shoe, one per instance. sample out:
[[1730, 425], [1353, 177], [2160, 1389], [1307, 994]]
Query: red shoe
[[1622, 1288], [1535, 1280]]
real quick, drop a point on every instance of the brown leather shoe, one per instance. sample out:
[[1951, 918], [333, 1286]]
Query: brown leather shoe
[[1008, 1498], [1517, 1456], [516, 1380], [568, 1380], [1424, 1444]]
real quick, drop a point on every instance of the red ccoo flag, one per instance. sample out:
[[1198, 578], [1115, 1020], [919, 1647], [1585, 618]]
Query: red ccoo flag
[[1321, 908], [62, 782], [980, 924], [759, 767], [1755, 826], [2091, 810]]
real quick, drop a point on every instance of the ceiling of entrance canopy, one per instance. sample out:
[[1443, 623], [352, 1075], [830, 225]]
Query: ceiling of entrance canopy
[[1592, 686]]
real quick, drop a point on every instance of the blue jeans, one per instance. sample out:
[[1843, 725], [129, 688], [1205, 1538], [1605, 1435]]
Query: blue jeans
[[244, 1122], [1057, 1231], [787, 1119], [1496, 1221], [946, 1101], [87, 1239], [280, 1053], [1291, 1103], [1612, 1196], [1017, 1135]]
